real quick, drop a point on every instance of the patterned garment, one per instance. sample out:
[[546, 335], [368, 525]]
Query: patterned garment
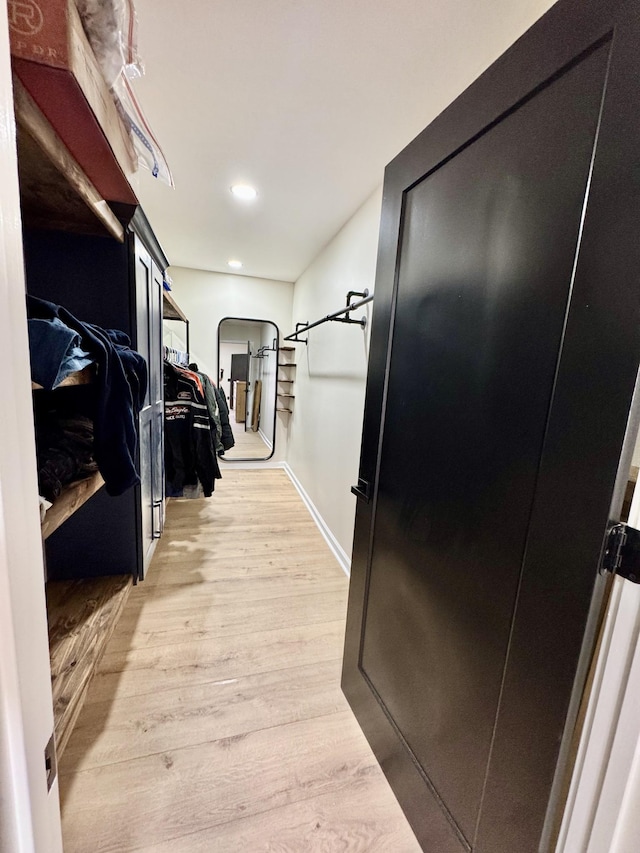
[[189, 446]]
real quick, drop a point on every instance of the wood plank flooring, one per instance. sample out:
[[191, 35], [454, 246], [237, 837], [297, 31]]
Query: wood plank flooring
[[215, 723], [249, 444]]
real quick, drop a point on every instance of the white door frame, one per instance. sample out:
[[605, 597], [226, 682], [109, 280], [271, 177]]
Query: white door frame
[[603, 810], [29, 815], [602, 813]]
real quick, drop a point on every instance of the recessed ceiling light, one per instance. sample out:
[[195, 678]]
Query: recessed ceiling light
[[244, 191], [236, 265]]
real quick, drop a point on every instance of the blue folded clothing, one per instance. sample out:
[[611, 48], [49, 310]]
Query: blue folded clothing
[[55, 352], [120, 386]]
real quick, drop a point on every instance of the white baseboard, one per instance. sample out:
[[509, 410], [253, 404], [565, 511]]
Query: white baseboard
[[250, 464], [265, 439], [338, 551]]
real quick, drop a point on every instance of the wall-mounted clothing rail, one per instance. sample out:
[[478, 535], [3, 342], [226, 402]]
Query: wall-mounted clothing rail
[[262, 350], [336, 317]]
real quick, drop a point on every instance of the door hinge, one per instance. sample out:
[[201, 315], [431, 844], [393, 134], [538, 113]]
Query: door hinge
[[622, 552], [50, 762]]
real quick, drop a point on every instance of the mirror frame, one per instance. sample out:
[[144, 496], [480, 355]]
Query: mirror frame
[[275, 402]]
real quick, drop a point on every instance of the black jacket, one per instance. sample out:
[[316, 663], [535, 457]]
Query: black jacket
[[188, 445], [227, 435], [120, 388]]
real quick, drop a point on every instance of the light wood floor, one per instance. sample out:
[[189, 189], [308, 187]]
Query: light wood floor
[[249, 444], [215, 723]]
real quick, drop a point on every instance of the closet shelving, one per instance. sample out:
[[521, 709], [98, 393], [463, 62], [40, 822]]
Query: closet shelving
[[172, 311], [75, 494], [69, 501], [78, 377], [286, 381], [74, 164], [170, 308], [91, 535], [82, 615], [55, 191], [74, 151]]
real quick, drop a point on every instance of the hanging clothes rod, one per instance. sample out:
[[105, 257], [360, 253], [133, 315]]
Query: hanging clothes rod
[[265, 349], [336, 317]]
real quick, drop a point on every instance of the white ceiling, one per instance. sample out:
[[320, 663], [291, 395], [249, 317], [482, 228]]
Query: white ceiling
[[305, 99]]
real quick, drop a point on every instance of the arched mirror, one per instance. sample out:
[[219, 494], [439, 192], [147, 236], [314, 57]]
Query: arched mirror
[[247, 373]]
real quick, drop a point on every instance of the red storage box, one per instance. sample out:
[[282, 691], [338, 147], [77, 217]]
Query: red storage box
[[55, 63]]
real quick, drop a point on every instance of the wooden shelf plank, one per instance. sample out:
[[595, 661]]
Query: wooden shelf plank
[[69, 501], [288, 396], [82, 615], [57, 66], [287, 364], [170, 308], [79, 377], [286, 381], [287, 349], [55, 192], [288, 411]]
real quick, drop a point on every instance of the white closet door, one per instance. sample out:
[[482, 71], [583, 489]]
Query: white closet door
[[29, 815]]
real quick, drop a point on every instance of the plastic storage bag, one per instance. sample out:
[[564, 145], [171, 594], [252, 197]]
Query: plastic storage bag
[[111, 27]]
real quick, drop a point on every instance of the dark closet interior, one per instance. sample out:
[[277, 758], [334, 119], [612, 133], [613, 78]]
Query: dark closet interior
[[115, 286]]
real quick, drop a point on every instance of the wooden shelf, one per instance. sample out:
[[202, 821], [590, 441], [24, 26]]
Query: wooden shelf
[[79, 377], [287, 349], [75, 155], [288, 411], [69, 501], [170, 308], [286, 381], [57, 67], [54, 191], [287, 396], [82, 615], [285, 364]]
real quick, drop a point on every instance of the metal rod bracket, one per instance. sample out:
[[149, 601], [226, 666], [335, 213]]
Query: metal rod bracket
[[337, 317]]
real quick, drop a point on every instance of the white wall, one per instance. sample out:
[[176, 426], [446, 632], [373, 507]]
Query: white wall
[[636, 453], [268, 370], [326, 424], [174, 335], [207, 297], [29, 816]]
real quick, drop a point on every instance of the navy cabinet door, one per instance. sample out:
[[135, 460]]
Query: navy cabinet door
[[149, 343], [157, 402], [505, 351]]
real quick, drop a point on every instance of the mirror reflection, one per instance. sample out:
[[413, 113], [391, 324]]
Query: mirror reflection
[[247, 372]]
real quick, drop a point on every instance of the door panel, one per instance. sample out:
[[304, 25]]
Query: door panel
[[485, 271], [146, 488], [475, 565], [143, 309], [158, 472], [147, 318], [157, 391], [155, 331]]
